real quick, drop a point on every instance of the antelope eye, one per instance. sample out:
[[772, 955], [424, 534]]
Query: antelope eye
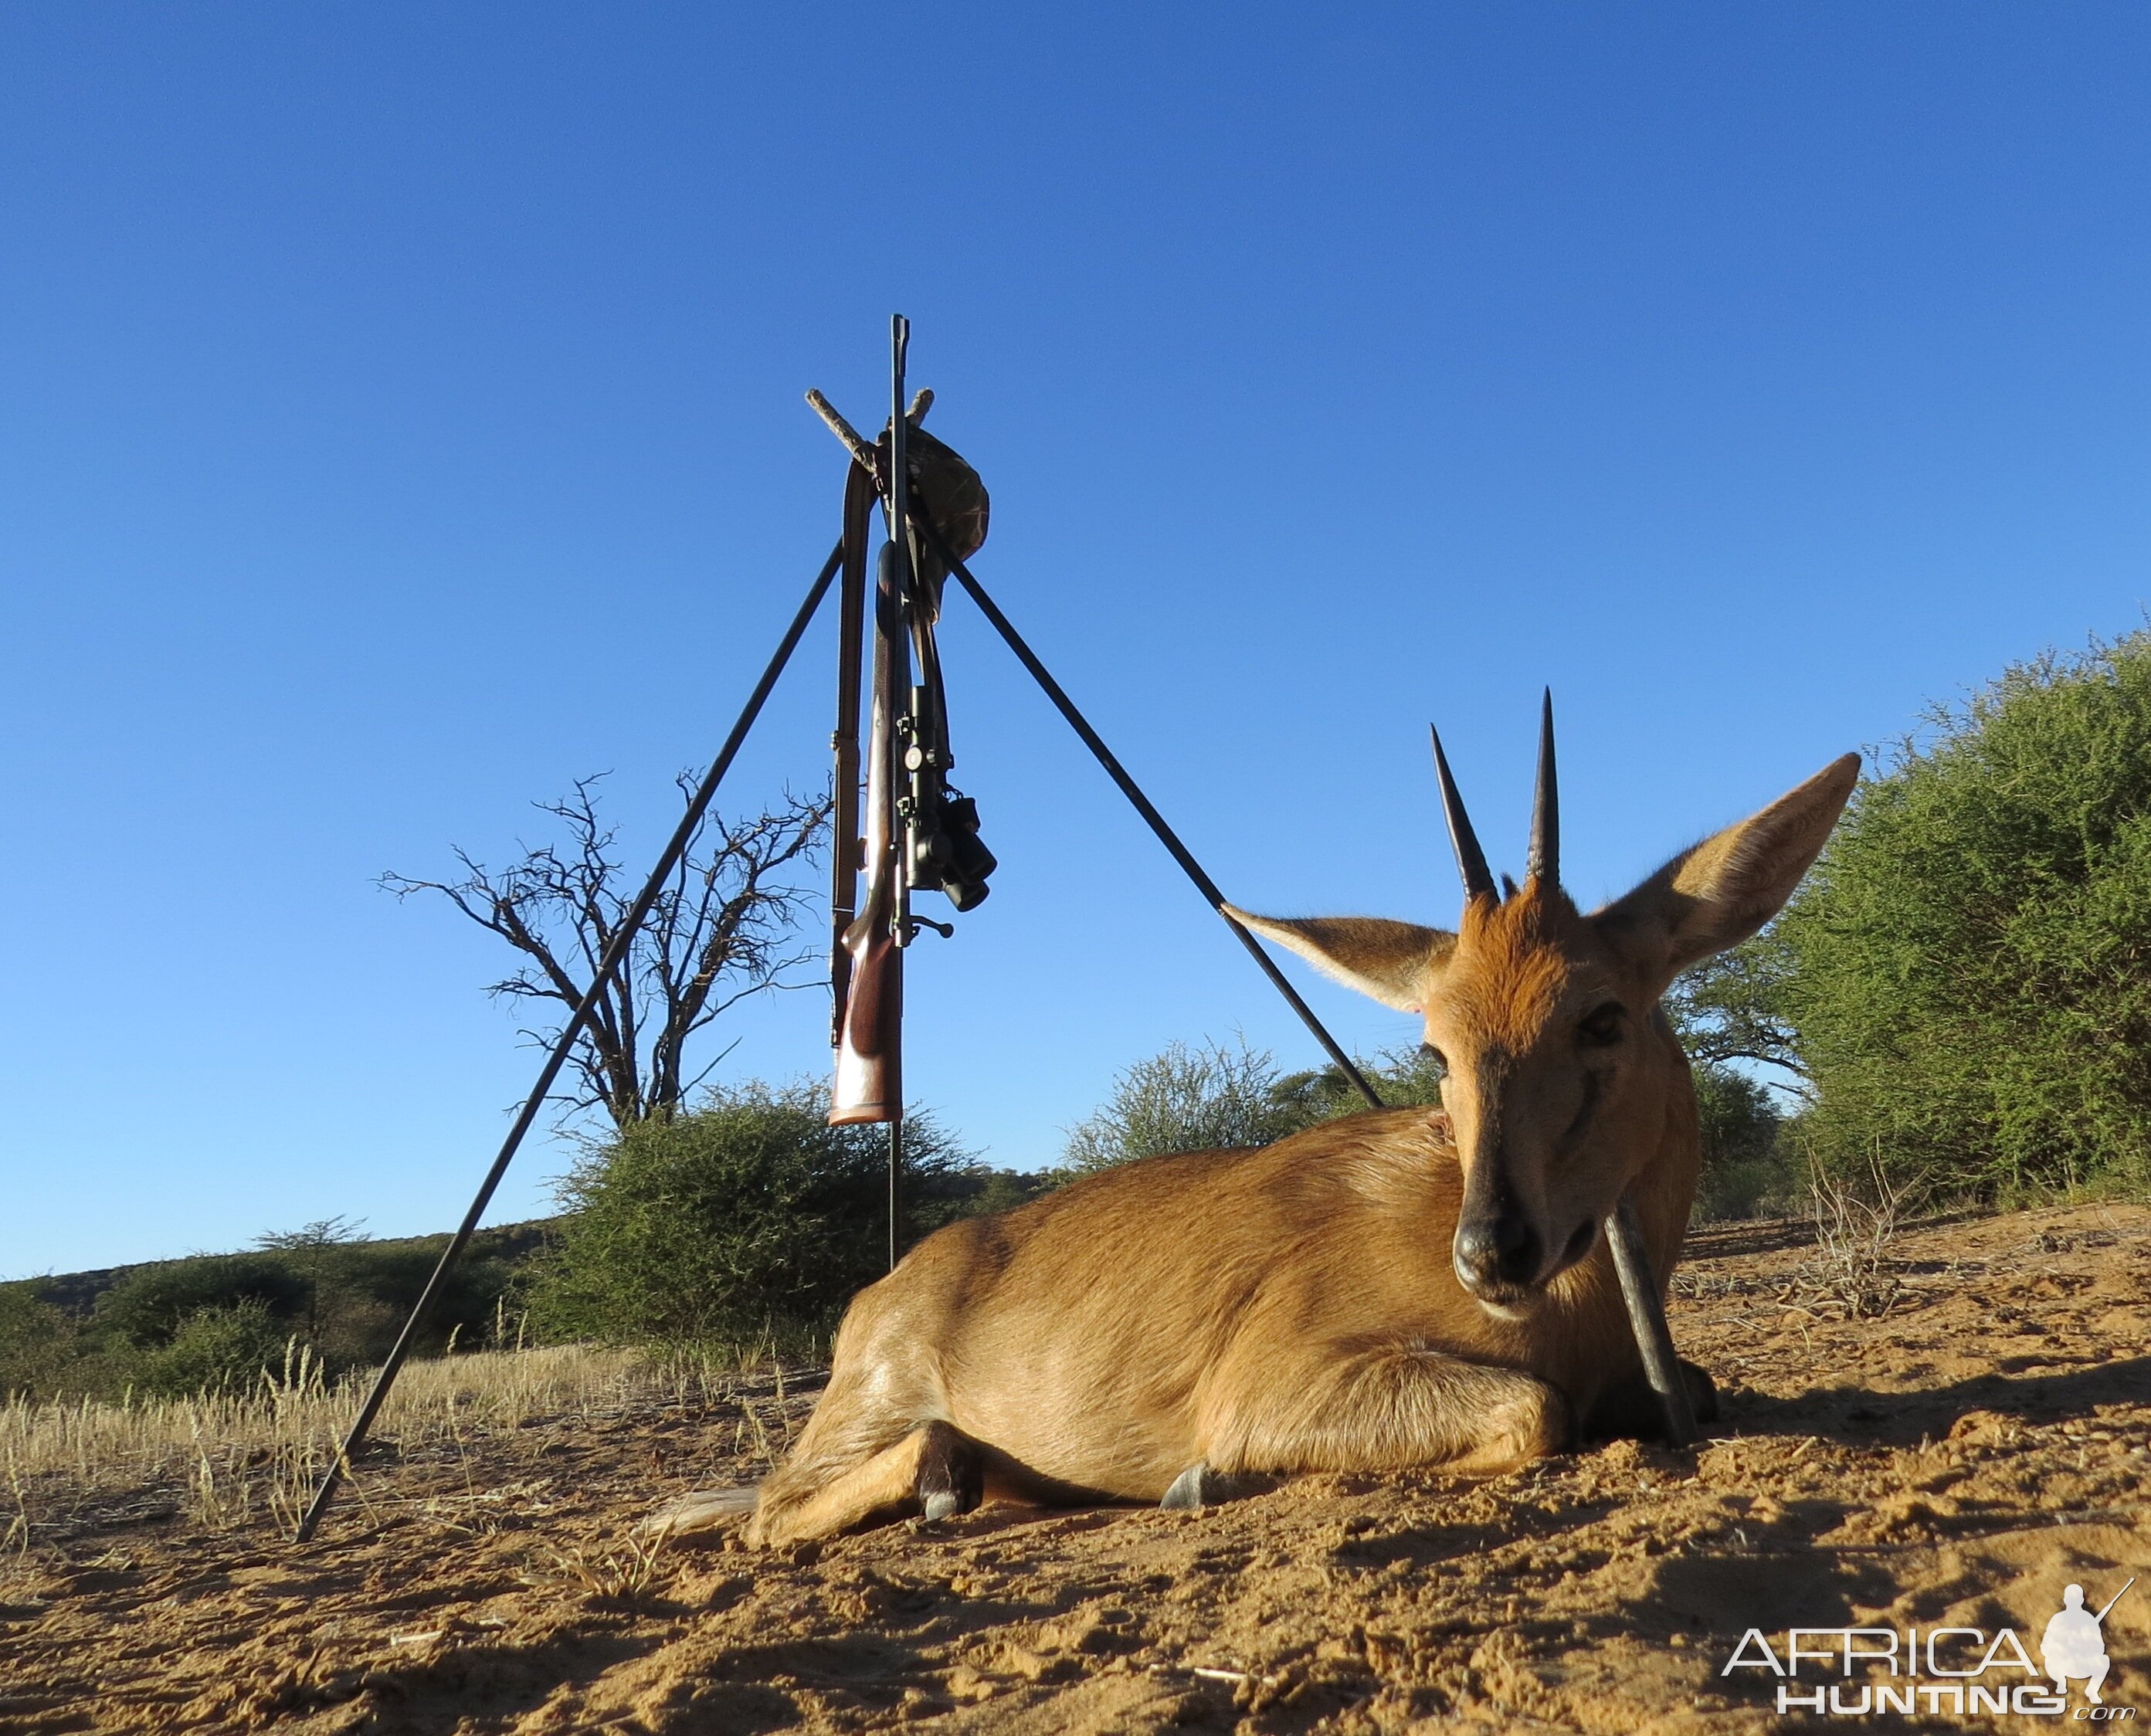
[[1603, 1026]]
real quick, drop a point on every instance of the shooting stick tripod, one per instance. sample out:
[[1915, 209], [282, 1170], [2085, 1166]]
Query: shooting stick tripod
[[908, 731]]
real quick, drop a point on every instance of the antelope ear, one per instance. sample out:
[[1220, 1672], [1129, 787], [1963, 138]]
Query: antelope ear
[[1393, 961], [1720, 893]]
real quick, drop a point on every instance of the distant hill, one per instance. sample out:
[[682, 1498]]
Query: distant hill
[[76, 1293], [171, 1326]]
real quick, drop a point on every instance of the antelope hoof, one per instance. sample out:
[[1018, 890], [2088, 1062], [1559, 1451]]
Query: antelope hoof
[[1202, 1485], [1631, 1411], [951, 1478], [1185, 1492]]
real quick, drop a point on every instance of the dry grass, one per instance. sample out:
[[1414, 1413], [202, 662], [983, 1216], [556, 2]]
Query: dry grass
[[228, 1460], [1856, 1230], [625, 1572]]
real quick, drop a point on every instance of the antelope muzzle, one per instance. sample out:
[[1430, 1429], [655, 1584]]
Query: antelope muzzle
[[1499, 1256]]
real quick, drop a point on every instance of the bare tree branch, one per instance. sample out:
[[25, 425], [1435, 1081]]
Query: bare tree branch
[[724, 928], [1731, 1008]]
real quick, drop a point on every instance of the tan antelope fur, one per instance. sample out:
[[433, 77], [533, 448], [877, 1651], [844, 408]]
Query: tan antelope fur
[[1409, 1287]]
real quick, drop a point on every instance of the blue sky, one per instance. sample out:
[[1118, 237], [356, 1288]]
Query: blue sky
[[400, 417]]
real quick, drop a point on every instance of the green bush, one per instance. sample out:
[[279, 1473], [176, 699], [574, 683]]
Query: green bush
[[1401, 1078], [1209, 1097], [226, 1349], [1182, 1099], [1744, 1168], [1969, 963], [747, 1214], [38, 1343], [146, 1309], [364, 1291]]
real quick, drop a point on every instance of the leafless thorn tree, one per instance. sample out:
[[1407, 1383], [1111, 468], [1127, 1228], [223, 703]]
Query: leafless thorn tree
[[723, 928]]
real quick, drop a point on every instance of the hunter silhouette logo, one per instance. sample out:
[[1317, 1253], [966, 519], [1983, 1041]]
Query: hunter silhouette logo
[[2074, 1645], [1940, 1672]]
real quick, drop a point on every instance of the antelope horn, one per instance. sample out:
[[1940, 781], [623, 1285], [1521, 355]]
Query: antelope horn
[[1470, 859], [1543, 864]]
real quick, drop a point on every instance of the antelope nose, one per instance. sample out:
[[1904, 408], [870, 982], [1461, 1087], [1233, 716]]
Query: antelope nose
[[1498, 1251]]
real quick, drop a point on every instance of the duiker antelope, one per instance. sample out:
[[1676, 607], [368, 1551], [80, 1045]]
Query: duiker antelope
[[1409, 1287]]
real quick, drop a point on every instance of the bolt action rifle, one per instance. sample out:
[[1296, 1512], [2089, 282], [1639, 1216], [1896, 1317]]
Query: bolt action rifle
[[919, 834]]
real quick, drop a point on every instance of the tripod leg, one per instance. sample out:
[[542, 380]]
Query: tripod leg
[[564, 1046], [895, 1191], [1151, 818]]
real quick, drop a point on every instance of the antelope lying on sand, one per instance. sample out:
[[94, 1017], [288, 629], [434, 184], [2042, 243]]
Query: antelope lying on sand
[[1409, 1287]]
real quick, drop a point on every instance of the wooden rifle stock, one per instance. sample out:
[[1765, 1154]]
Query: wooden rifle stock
[[870, 1081]]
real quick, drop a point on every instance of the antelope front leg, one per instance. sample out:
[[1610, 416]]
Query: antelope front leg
[[936, 1468], [1379, 1409]]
